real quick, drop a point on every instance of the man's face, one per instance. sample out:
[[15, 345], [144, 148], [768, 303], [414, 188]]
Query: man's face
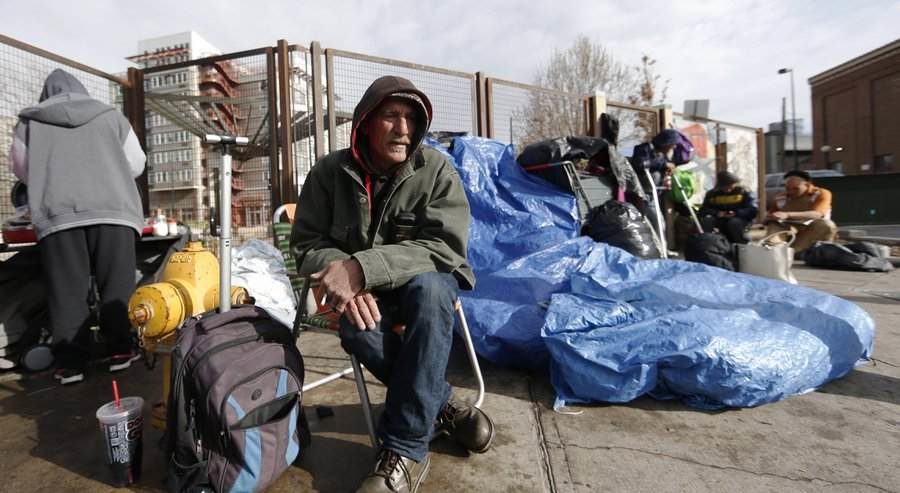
[[795, 186], [729, 188], [389, 131]]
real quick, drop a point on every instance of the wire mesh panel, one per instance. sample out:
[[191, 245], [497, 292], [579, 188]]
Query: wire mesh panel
[[636, 124], [223, 95], [721, 145], [521, 114], [452, 94], [22, 75], [303, 121]]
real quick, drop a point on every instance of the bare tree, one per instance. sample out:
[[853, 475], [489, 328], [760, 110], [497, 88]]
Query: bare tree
[[646, 95], [580, 71]]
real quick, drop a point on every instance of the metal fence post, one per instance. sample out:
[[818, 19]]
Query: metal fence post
[[133, 106], [488, 108], [761, 173], [315, 52], [596, 107], [329, 100], [288, 190], [664, 117], [272, 103], [480, 104]]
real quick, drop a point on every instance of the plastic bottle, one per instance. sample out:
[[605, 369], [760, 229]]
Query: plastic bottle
[[172, 227], [160, 228]]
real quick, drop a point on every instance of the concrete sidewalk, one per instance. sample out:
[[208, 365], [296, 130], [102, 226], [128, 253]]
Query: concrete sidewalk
[[845, 437]]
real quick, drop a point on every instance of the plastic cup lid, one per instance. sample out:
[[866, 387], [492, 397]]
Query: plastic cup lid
[[127, 406]]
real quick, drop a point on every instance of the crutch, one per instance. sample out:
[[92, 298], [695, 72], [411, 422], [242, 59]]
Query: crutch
[[659, 234]]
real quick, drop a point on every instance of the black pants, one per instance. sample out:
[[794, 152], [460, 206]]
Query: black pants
[[69, 259], [732, 227]]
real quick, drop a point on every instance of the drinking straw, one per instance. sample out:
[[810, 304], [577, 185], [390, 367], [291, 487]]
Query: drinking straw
[[116, 393]]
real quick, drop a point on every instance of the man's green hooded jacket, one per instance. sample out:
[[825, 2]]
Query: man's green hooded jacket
[[336, 217]]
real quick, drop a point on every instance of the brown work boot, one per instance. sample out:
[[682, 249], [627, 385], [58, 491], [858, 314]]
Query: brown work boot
[[395, 473], [466, 425]]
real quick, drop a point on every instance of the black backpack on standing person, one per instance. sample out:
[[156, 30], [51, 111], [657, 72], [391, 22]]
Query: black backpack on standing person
[[234, 420]]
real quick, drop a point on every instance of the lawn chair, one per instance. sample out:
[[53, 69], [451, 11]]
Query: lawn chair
[[322, 317]]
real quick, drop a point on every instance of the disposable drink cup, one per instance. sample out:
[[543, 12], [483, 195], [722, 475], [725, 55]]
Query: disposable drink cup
[[123, 437]]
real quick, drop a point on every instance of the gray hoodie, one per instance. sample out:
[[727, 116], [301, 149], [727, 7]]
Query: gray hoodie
[[79, 158]]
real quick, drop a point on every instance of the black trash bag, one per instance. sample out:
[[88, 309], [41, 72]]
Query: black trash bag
[[621, 225], [831, 255], [710, 249], [598, 152], [865, 247]]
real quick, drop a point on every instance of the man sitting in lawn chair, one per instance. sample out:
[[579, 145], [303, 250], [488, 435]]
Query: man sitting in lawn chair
[[382, 227]]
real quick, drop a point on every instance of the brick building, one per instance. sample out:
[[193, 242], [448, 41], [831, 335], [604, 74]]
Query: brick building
[[856, 113]]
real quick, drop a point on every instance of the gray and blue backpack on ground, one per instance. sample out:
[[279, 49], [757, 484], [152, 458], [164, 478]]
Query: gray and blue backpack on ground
[[234, 420]]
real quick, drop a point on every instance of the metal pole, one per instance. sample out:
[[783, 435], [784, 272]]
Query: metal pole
[[225, 235], [783, 131], [225, 214], [794, 123]]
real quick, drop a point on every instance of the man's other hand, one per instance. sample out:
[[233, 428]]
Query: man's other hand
[[778, 216], [341, 281], [363, 312]]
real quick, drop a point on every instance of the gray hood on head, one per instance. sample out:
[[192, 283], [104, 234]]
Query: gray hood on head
[[64, 102]]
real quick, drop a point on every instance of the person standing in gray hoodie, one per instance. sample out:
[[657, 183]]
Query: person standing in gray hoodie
[[79, 158]]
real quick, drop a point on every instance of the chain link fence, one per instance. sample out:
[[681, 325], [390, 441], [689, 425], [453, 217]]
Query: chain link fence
[[303, 117], [280, 102], [452, 93], [721, 146], [522, 114], [637, 124]]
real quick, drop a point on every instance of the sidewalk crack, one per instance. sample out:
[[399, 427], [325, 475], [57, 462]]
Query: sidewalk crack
[[733, 468], [542, 442]]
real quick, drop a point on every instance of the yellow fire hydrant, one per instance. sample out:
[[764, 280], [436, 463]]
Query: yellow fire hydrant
[[189, 286]]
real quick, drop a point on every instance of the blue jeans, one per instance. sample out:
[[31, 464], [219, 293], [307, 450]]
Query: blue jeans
[[412, 366]]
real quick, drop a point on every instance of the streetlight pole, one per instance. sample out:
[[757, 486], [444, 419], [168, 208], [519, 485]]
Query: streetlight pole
[[793, 116]]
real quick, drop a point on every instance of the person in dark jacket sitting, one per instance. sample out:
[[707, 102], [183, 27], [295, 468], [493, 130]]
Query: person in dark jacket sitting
[[728, 207], [656, 157]]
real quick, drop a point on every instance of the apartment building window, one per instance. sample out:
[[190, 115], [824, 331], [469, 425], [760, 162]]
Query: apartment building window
[[253, 216]]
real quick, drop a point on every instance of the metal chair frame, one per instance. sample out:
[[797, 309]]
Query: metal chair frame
[[355, 366]]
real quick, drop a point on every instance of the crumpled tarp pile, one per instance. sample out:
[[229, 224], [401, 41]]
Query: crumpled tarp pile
[[612, 327]]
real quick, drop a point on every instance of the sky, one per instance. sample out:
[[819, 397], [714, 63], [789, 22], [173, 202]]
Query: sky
[[726, 51]]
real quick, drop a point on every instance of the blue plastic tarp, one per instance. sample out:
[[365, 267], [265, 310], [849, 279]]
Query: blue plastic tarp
[[612, 327], [710, 337]]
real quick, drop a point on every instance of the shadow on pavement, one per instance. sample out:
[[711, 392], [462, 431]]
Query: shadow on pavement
[[65, 429], [866, 385]]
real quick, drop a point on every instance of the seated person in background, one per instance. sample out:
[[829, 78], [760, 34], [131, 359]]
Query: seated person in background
[[804, 209], [728, 207]]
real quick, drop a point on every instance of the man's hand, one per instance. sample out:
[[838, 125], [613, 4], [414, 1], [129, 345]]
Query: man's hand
[[363, 312], [779, 215], [670, 167], [341, 280], [726, 214]]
